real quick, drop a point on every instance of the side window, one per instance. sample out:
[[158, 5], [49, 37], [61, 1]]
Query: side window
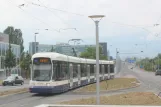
[[75, 70], [91, 69], [111, 68], [106, 68], [65, 70], [60, 70], [100, 69], [85, 70], [54, 70], [82, 70]]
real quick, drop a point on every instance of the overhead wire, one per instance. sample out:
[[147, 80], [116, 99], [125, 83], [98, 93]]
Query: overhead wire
[[55, 9], [44, 6], [53, 13], [34, 17], [136, 26]]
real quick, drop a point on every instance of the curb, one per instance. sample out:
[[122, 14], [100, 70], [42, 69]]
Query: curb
[[137, 85]]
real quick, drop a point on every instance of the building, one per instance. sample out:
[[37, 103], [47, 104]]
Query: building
[[32, 47], [44, 48], [4, 46], [64, 48]]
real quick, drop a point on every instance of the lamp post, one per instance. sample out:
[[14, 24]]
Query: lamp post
[[35, 42], [97, 54], [35, 38], [140, 59]]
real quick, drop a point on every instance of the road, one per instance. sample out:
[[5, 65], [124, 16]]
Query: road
[[148, 79], [17, 86], [149, 82]]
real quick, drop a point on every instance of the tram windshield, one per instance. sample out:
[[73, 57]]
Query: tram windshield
[[42, 69]]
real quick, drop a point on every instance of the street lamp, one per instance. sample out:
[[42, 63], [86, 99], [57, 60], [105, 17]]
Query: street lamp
[[75, 40], [35, 42], [97, 53]]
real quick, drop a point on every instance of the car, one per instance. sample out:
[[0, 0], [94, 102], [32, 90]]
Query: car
[[12, 80], [158, 72]]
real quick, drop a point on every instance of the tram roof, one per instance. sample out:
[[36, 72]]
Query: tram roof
[[61, 57]]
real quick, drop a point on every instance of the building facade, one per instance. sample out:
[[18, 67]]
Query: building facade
[[64, 48], [33, 47], [4, 46]]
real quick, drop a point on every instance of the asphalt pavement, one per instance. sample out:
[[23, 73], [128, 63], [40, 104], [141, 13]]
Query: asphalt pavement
[[149, 82], [16, 86]]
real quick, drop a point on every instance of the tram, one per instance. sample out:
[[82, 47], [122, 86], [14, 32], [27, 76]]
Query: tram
[[56, 73]]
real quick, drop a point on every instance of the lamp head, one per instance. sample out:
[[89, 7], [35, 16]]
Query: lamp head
[[96, 17]]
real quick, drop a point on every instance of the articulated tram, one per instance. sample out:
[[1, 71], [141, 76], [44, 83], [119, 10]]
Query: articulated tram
[[55, 73]]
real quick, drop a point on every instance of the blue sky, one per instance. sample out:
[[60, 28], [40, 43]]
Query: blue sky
[[122, 27]]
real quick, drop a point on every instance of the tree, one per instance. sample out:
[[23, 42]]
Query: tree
[[25, 63], [10, 59], [91, 53], [15, 36]]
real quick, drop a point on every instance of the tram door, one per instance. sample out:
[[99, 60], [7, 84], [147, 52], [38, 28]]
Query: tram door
[[88, 73], [103, 71], [95, 72], [79, 75], [71, 75]]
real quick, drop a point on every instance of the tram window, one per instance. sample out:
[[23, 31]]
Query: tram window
[[65, 69], [100, 69], [82, 73], [111, 68], [91, 69], [83, 70], [106, 68], [54, 70], [60, 70], [75, 70]]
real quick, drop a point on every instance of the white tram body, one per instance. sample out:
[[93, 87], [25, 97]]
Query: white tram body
[[55, 73]]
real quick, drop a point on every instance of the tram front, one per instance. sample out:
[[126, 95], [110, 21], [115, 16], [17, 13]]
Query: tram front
[[41, 75]]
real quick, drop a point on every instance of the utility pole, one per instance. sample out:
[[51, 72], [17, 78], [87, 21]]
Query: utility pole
[[35, 43], [116, 61]]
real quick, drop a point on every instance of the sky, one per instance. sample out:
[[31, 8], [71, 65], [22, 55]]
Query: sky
[[126, 23]]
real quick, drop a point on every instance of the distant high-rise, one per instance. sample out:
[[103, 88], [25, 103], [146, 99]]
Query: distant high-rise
[[32, 46]]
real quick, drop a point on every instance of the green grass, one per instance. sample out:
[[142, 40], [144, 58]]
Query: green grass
[[117, 83], [0, 82], [133, 98]]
